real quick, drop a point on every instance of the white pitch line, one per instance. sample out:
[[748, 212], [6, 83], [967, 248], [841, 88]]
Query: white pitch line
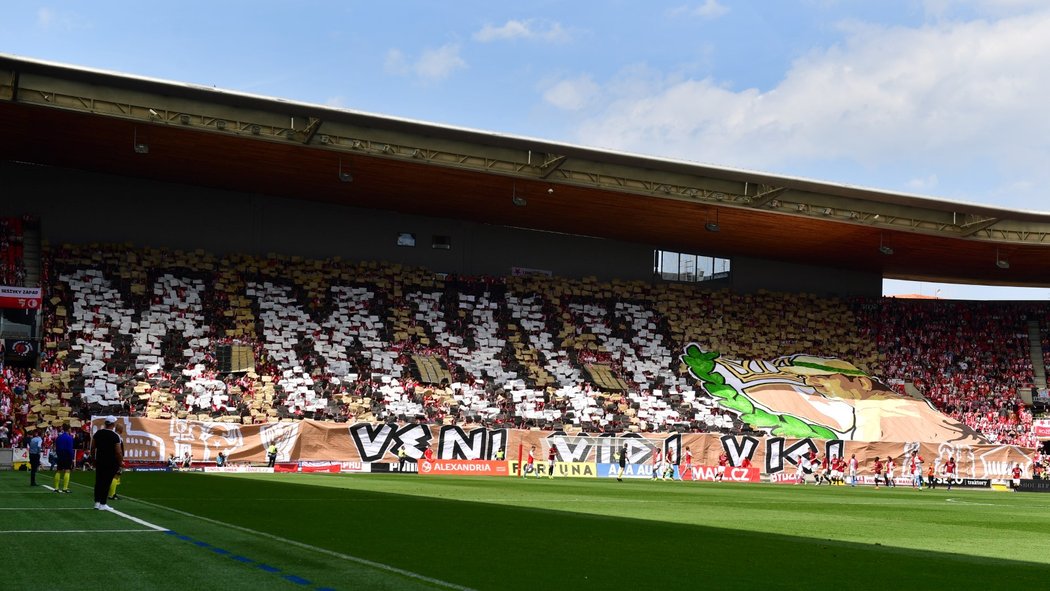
[[46, 509], [958, 502], [347, 557], [77, 531], [137, 520]]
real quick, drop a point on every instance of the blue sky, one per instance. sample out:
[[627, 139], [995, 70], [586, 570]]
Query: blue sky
[[944, 98]]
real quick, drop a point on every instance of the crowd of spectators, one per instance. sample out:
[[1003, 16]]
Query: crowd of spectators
[[970, 359], [12, 251], [137, 331]]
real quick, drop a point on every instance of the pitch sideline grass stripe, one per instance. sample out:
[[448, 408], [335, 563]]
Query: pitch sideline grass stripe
[[305, 546], [245, 560]]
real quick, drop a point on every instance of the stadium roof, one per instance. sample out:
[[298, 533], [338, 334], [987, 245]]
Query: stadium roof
[[66, 116]]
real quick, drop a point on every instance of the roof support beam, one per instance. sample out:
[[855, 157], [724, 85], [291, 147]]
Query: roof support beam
[[975, 227], [9, 87], [549, 166], [767, 196], [311, 129]]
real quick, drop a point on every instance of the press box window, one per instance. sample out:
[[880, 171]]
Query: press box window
[[406, 239], [689, 268], [441, 242]]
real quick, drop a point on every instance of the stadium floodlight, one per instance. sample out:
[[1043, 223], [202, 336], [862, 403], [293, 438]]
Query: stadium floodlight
[[712, 226], [344, 175], [516, 199], [883, 248], [220, 124], [184, 119], [136, 145]]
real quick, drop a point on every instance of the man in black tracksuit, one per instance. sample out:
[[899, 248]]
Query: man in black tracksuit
[[108, 457]]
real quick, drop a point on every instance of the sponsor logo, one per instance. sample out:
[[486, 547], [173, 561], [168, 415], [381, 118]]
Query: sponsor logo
[[629, 471], [561, 469], [239, 469], [463, 467], [1027, 485], [710, 473]]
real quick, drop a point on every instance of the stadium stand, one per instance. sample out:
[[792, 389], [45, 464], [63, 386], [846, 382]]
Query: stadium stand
[[969, 358], [143, 331], [12, 262]]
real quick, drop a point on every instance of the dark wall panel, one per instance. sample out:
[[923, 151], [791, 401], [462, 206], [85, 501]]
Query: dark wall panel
[[76, 206]]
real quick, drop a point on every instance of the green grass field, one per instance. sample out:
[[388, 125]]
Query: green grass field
[[301, 531]]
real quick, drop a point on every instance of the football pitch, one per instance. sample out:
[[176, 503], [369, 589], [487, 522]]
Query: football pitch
[[198, 531]]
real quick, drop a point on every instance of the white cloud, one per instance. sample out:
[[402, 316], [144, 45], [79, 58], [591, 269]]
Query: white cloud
[[438, 64], [526, 29], [432, 65], [396, 62], [572, 95], [709, 10], [923, 185], [51, 19], [934, 102]]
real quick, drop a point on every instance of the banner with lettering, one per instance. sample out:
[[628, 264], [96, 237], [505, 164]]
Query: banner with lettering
[[316, 441], [21, 298]]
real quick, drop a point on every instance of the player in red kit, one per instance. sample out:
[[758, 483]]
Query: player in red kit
[[822, 469], [878, 471], [530, 463], [658, 464], [838, 466], [1016, 474], [950, 472], [552, 461], [723, 461]]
